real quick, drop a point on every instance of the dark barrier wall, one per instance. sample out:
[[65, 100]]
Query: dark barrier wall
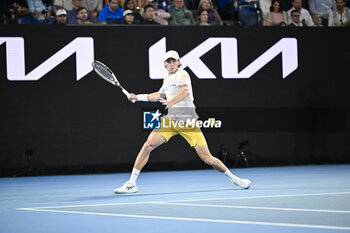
[[89, 125]]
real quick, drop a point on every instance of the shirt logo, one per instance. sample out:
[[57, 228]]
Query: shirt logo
[[151, 120]]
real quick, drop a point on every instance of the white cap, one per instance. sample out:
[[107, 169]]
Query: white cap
[[127, 12], [171, 54], [61, 12]]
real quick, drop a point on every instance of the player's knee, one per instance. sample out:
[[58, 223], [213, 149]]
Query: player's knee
[[208, 160], [148, 146]]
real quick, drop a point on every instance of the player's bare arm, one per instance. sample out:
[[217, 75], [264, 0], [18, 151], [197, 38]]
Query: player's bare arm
[[155, 97], [181, 96], [152, 97]]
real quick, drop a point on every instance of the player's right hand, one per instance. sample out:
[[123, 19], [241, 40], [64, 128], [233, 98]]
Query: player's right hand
[[132, 98]]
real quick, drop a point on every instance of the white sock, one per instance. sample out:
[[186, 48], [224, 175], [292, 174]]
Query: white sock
[[134, 174], [230, 175]]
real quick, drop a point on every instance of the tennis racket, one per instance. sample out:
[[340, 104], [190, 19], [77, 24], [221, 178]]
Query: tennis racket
[[104, 72]]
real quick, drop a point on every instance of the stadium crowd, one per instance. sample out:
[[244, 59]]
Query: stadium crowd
[[291, 13]]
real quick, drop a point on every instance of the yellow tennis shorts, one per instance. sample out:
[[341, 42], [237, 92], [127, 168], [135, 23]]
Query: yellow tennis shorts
[[192, 134]]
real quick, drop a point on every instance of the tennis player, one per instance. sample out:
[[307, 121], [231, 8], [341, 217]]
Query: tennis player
[[177, 96]]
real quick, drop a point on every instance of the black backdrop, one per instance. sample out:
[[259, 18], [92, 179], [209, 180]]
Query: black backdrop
[[89, 126]]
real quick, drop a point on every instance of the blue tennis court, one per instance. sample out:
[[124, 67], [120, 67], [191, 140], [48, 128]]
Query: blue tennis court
[[281, 199]]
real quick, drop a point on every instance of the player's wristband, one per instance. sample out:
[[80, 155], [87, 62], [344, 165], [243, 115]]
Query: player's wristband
[[142, 97]]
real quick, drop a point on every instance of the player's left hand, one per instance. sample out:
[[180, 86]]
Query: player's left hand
[[165, 102]]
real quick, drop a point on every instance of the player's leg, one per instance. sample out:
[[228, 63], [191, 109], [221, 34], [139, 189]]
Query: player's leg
[[154, 140], [196, 139], [205, 155]]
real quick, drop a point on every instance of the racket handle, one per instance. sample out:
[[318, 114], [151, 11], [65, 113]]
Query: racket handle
[[127, 94]]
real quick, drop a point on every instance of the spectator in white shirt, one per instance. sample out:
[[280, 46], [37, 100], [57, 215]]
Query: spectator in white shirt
[[265, 7], [305, 16], [340, 16]]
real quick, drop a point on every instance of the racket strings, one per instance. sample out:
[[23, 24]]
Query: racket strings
[[105, 72]]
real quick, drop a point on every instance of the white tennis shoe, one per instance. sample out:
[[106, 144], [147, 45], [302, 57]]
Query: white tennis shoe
[[243, 183], [126, 188]]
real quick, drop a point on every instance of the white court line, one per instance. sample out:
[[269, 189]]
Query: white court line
[[197, 219], [256, 207], [189, 200], [92, 205], [268, 196]]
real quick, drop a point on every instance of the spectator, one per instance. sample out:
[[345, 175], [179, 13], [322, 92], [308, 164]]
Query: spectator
[[180, 15], [39, 10], [65, 4], [265, 7], [82, 16], [305, 16], [322, 7], [130, 5], [120, 3], [340, 16], [164, 5], [295, 15], [213, 16], [140, 4], [72, 14], [111, 13], [61, 17], [22, 11], [148, 15], [128, 17], [317, 19], [277, 16], [93, 7], [287, 4], [228, 9], [202, 18], [160, 15]]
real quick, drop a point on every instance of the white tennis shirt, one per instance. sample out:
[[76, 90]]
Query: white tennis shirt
[[184, 109]]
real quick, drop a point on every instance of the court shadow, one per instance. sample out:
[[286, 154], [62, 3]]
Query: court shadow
[[112, 196], [171, 193], [94, 198]]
